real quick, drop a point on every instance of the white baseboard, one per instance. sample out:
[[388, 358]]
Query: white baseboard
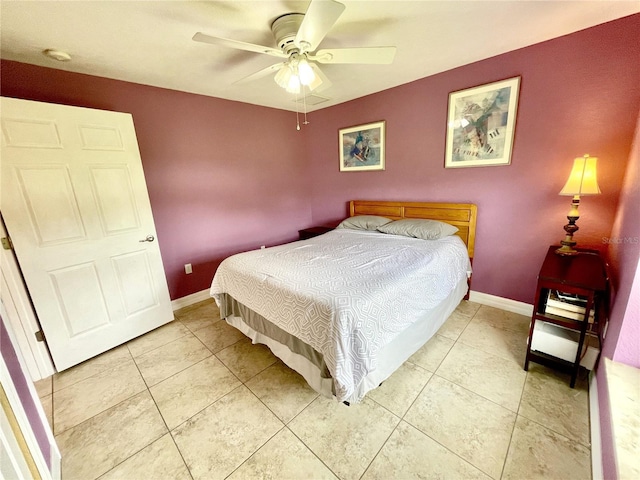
[[182, 302], [502, 303], [597, 472]]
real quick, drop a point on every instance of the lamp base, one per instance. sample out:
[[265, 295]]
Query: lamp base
[[568, 243], [567, 249]]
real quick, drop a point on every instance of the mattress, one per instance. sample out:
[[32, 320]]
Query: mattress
[[346, 294]]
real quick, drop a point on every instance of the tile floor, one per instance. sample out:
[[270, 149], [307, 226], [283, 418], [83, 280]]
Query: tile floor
[[195, 399]]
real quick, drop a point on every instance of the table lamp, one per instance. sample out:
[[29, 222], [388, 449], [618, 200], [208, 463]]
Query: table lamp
[[582, 181]]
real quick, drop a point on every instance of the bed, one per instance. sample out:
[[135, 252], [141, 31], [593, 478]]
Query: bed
[[347, 308]]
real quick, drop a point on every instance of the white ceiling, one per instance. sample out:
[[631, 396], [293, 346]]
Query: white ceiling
[[149, 42]]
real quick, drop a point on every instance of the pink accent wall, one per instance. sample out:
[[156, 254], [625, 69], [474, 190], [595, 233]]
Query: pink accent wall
[[225, 176], [622, 342], [579, 94], [222, 176], [20, 382]]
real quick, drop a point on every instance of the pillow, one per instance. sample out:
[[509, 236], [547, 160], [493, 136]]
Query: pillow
[[363, 222], [419, 228]]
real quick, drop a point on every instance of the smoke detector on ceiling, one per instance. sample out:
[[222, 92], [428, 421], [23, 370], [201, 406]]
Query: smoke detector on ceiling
[[58, 55]]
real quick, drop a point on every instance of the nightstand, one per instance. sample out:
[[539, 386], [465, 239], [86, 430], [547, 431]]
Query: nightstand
[[583, 275], [311, 232]]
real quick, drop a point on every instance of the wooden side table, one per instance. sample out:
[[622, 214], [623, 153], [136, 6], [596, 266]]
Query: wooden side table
[[584, 274], [311, 232]]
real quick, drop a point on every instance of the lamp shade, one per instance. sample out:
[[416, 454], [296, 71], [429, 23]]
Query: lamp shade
[[583, 179]]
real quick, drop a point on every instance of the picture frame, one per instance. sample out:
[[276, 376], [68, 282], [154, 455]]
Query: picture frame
[[362, 148], [481, 125]]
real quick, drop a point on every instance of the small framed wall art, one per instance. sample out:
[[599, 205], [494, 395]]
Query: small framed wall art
[[362, 147], [481, 124]]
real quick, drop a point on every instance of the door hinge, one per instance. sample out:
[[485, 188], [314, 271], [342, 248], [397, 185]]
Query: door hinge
[[39, 336], [6, 243]]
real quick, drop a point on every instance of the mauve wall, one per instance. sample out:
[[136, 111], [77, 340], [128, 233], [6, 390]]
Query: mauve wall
[[225, 176], [20, 382], [222, 176], [622, 342], [579, 94]]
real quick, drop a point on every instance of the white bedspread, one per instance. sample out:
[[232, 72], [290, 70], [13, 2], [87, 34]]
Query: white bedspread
[[346, 293]]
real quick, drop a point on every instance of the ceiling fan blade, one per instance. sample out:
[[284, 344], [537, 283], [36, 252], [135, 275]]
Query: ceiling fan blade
[[271, 69], [320, 17], [249, 47], [364, 55]]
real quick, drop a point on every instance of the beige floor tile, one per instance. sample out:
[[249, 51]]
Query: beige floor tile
[[400, 390], [194, 306], [47, 405], [219, 335], [220, 438], [548, 400], [471, 426], [91, 367], [156, 338], [245, 359], [184, 394], [44, 387], [508, 344], [432, 353], [84, 399], [502, 319], [345, 438], [158, 461], [468, 308], [203, 315], [171, 358], [539, 453], [492, 377], [102, 442], [410, 454], [455, 325], [283, 457], [283, 390]]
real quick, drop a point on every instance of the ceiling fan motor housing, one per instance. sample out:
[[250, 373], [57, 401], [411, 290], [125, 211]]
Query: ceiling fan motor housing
[[285, 28]]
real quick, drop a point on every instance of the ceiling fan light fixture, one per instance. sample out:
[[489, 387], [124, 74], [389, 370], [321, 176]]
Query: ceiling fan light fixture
[[305, 72], [283, 76], [294, 84]]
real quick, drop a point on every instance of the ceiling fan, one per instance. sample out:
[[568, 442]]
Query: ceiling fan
[[298, 36]]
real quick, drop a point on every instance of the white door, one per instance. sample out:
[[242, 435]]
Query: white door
[[75, 203]]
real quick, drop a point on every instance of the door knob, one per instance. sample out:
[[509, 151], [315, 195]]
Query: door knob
[[150, 238]]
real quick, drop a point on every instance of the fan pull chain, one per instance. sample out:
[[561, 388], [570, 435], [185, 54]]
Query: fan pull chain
[[304, 101], [297, 115]]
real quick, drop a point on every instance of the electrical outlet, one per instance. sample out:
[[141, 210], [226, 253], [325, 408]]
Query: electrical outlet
[[187, 268], [262, 247]]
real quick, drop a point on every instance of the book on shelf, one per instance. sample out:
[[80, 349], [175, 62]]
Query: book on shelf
[[568, 313], [567, 305]]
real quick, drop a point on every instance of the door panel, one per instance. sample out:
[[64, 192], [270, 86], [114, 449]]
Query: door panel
[[75, 203], [114, 196], [81, 313], [31, 133], [135, 280], [51, 204]]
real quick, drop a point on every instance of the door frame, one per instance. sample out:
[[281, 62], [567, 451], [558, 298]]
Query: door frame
[[25, 451], [20, 315]]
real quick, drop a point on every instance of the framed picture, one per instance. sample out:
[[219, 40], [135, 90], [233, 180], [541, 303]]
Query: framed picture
[[481, 124], [362, 147]]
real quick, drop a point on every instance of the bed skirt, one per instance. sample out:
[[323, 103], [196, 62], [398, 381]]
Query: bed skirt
[[309, 363]]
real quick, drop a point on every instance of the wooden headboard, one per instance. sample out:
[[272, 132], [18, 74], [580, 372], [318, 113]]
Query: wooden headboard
[[462, 215]]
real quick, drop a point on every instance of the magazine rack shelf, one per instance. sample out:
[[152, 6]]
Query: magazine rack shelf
[[584, 277]]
